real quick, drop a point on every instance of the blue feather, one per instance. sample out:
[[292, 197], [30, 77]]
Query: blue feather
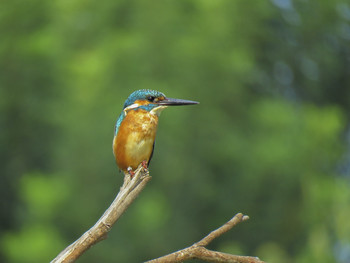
[[142, 94]]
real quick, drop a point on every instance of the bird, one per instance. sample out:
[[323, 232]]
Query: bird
[[136, 127]]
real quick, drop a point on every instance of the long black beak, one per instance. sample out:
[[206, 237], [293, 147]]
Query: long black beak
[[176, 102]]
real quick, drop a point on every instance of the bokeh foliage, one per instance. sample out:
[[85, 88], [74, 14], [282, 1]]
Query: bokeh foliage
[[270, 137]]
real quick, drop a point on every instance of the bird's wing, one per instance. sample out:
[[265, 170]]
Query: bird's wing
[[150, 157], [119, 121]]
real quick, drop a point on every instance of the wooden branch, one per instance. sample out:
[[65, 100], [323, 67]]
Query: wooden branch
[[127, 194], [198, 250]]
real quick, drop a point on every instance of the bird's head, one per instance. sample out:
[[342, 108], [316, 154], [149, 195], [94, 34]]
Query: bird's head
[[152, 101]]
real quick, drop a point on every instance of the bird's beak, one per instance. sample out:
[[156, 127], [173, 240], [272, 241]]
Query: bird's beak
[[175, 102]]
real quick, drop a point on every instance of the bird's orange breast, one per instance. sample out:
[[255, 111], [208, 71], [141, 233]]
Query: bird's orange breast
[[134, 141]]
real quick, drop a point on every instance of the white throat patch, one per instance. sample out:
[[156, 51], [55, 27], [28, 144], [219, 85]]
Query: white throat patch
[[157, 110]]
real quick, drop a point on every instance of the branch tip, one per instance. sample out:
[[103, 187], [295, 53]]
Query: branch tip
[[245, 218]]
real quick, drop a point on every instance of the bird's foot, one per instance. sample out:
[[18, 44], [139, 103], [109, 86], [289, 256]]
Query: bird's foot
[[144, 164], [131, 172]]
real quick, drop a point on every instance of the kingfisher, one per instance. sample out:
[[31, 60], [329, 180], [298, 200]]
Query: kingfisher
[[136, 127]]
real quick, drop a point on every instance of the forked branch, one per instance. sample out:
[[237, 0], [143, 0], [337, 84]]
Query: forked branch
[[127, 194], [198, 250]]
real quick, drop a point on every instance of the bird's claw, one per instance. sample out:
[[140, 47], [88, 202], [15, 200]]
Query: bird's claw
[[131, 172], [144, 165]]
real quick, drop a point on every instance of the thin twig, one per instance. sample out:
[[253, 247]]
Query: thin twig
[[198, 250], [127, 194], [223, 229]]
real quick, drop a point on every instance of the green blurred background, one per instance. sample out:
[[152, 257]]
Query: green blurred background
[[269, 139]]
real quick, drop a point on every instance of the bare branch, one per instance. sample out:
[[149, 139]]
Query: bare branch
[[127, 194], [223, 229], [198, 250]]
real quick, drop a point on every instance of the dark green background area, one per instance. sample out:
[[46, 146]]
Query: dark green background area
[[269, 138]]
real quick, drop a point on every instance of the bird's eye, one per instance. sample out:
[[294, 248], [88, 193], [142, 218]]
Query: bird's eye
[[151, 98]]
